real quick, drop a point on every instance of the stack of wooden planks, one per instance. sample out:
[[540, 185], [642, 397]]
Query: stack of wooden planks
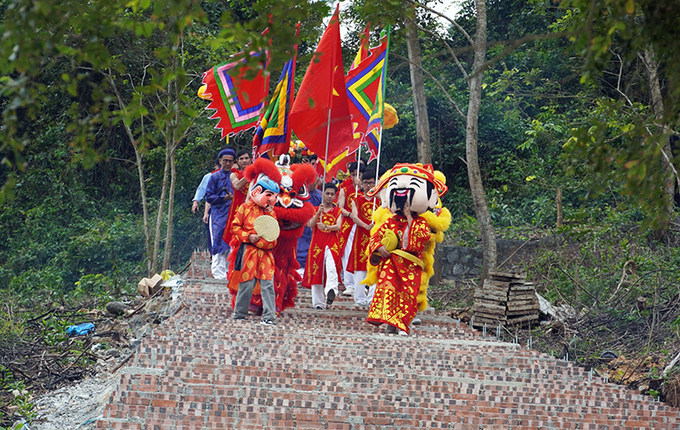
[[506, 299]]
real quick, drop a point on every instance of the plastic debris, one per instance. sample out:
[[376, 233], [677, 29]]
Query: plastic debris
[[167, 274], [80, 329]]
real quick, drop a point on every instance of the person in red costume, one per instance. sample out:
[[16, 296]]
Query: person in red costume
[[397, 247], [348, 191], [323, 259], [240, 184], [362, 211], [254, 261], [293, 211]]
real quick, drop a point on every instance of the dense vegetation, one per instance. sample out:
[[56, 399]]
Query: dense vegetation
[[571, 110]]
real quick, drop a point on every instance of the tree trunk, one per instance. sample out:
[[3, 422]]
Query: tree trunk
[[558, 200], [167, 252], [419, 100], [145, 205], [140, 173], [664, 218], [474, 175], [161, 210]]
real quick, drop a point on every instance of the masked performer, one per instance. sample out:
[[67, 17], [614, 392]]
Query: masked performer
[[252, 268], [398, 245]]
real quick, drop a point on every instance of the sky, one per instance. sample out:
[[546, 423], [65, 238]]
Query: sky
[[447, 7]]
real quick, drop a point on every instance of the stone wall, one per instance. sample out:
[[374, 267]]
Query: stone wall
[[460, 262]]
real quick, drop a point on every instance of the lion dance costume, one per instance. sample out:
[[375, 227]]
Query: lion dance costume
[[292, 212]]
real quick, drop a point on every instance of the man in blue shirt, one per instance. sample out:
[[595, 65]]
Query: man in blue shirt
[[219, 194], [200, 193]]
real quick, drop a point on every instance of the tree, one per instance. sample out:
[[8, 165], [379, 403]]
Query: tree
[[418, 89], [125, 63], [646, 31], [471, 134]]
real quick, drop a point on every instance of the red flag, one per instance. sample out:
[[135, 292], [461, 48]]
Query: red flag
[[323, 89], [335, 165]]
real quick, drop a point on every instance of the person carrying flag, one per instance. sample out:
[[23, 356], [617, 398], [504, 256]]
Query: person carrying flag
[[348, 191]]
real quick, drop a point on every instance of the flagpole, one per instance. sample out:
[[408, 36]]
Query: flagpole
[[377, 163], [330, 101], [356, 186], [382, 118], [328, 133]]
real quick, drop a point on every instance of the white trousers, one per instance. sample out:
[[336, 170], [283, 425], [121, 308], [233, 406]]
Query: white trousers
[[348, 278], [319, 292], [360, 295], [218, 265]]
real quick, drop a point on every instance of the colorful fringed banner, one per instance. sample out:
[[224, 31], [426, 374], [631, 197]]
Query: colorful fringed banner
[[237, 100], [363, 87], [272, 135]]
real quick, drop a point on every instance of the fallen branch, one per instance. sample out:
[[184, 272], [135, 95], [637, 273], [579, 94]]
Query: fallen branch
[[671, 365], [125, 360]]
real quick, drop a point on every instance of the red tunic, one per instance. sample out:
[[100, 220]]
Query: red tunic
[[258, 260], [238, 200], [314, 273], [347, 223], [358, 258], [395, 301]]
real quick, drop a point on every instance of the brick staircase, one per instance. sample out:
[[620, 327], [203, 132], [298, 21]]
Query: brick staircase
[[332, 370]]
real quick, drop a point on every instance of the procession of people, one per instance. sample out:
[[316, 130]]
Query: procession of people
[[368, 236], [366, 239]]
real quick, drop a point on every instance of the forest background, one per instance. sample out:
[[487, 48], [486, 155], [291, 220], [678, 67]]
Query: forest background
[[103, 141]]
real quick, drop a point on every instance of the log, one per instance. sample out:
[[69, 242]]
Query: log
[[483, 314], [523, 288], [520, 313], [491, 296], [489, 322], [500, 317], [530, 294], [480, 301]]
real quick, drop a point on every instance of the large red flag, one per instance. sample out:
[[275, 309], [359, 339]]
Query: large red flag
[[323, 89]]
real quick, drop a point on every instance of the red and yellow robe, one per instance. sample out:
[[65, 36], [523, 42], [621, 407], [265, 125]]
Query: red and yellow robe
[[358, 258], [395, 301], [258, 259], [347, 223], [314, 273]]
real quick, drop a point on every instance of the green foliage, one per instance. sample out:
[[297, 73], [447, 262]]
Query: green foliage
[[19, 397]]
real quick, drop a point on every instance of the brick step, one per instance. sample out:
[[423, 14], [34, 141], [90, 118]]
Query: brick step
[[331, 370], [349, 317], [346, 357]]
